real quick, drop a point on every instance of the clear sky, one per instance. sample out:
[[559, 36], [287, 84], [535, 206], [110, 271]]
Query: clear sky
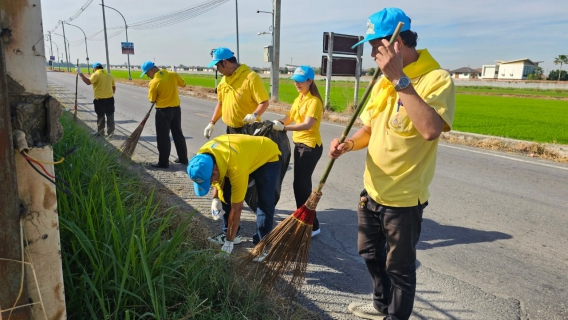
[[458, 33]]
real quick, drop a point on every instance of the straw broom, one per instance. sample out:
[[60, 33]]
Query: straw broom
[[131, 142], [76, 88], [284, 252]]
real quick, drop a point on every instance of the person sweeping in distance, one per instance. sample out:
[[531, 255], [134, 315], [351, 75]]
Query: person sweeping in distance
[[103, 91], [241, 95], [232, 158], [306, 113], [411, 105], [163, 91]]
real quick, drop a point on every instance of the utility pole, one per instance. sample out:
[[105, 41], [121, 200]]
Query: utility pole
[[105, 32], [65, 39], [125, 28], [50, 50], [237, 21], [86, 48], [328, 71], [276, 51]]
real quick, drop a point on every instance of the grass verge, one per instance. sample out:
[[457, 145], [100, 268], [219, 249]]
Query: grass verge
[[128, 254]]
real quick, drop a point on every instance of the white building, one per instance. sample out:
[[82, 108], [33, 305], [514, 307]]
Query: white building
[[465, 73], [509, 70]]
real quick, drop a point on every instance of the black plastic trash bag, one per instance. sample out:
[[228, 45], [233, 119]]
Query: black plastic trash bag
[[281, 139]]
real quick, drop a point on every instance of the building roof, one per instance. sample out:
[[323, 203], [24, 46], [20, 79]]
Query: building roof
[[465, 70], [519, 60]]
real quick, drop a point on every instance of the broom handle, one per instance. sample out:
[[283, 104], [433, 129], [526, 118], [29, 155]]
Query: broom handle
[[148, 114], [356, 113], [76, 86]]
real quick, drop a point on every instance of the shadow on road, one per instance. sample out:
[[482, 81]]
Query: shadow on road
[[153, 138], [435, 235]]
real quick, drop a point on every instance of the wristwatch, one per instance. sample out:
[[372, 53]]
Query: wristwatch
[[402, 83], [255, 115]]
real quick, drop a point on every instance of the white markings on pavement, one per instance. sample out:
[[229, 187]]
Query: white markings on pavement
[[505, 157], [201, 114]]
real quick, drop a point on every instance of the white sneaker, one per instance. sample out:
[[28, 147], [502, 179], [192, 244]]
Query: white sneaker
[[316, 232], [221, 237], [259, 259], [365, 311]]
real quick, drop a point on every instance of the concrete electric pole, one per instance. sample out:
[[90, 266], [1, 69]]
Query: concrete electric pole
[[105, 32], [275, 75]]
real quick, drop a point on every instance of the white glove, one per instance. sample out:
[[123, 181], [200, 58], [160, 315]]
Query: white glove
[[227, 247], [250, 118], [208, 130], [278, 126], [78, 71], [216, 209]]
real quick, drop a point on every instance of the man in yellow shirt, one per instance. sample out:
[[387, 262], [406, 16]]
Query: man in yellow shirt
[[103, 91], [231, 158], [241, 95], [410, 106], [163, 90]]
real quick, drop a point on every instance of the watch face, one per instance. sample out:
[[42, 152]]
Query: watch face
[[404, 82]]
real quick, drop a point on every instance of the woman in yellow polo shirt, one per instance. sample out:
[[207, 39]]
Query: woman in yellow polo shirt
[[306, 113]]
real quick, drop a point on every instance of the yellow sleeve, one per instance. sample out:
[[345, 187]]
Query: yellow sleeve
[[441, 96], [314, 109], [113, 83], [257, 88], [94, 78], [239, 184], [153, 91], [220, 91], [181, 82]]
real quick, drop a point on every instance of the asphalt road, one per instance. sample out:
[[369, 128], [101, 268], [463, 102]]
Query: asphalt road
[[493, 243]]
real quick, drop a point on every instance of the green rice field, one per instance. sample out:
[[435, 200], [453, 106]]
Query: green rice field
[[482, 110]]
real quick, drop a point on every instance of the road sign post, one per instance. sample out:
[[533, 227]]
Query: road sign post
[[341, 44]]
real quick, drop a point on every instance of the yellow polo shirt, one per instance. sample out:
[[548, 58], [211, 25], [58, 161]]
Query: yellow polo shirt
[[400, 162], [240, 94], [307, 106], [163, 89], [237, 156], [102, 83]]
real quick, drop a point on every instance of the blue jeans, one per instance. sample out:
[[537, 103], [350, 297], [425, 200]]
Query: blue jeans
[[266, 178]]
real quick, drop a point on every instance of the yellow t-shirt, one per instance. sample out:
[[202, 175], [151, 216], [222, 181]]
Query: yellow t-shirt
[[400, 162], [240, 94], [102, 83], [308, 106], [237, 156], [163, 89]]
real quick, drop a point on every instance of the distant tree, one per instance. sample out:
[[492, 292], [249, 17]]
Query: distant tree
[[555, 76], [371, 72], [536, 74], [561, 59], [317, 71]]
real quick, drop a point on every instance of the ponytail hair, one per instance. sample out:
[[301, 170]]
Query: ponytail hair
[[314, 90]]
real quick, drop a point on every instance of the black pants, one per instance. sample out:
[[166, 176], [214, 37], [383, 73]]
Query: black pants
[[387, 240], [105, 108], [169, 119], [305, 161], [231, 130]]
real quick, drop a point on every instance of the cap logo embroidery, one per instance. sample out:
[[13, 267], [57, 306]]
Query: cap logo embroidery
[[370, 27], [300, 72]]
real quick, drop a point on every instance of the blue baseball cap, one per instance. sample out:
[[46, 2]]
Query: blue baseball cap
[[199, 170], [97, 65], [303, 73], [219, 54], [147, 66], [383, 23]]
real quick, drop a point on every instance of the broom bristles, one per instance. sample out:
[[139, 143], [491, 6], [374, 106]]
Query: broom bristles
[[131, 142], [287, 247]]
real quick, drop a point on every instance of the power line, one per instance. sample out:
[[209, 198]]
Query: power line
[[73, 17], [158, 22]]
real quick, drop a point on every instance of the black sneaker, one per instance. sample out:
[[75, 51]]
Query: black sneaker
[[184, 163], [161, 166]]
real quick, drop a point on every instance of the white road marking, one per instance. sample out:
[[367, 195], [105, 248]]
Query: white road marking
[[505, 157]]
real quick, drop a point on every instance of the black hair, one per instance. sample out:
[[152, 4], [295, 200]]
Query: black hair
[[409, 38], [232, 60]]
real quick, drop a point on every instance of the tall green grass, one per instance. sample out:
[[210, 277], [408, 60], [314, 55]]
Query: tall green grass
[[128, 256], [517, 118]]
